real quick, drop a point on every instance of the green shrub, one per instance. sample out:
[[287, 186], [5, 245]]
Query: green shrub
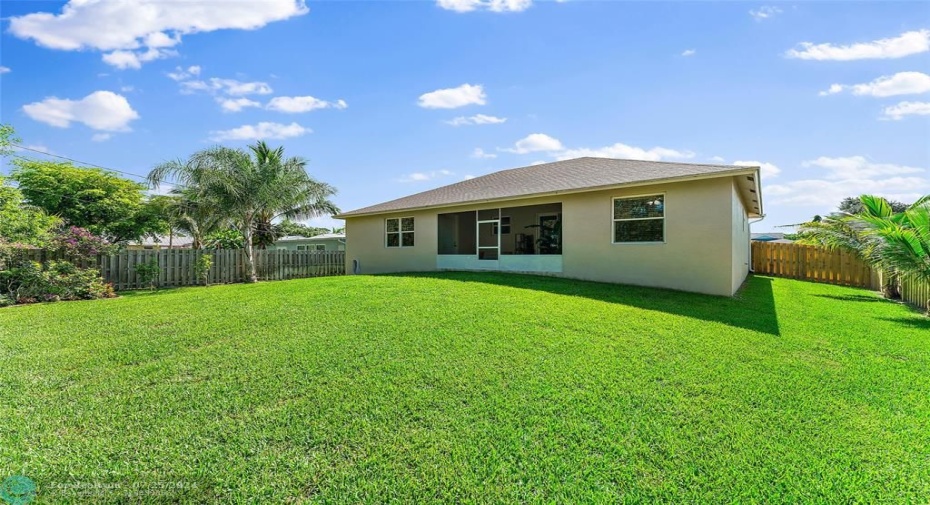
[[28, 282], [148, 273], [202, 268]]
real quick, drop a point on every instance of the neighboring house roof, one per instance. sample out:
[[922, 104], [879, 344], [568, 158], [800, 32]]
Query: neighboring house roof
[[569, 176], [324, 236], [767, 237], [162, 240]]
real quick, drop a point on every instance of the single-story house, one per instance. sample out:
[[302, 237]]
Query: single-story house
[[672, 225], [324, 242], [162, 242]]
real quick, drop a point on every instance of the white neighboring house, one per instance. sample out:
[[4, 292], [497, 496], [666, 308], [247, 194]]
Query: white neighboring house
[[324, 242], [162, 242]]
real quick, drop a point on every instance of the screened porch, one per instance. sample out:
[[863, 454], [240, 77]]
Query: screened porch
[[524, 239]]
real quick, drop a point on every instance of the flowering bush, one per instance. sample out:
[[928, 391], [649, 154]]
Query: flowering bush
[[80, 245]]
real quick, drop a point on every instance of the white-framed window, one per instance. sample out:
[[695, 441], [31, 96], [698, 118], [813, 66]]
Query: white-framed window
[[639, 219], [301, 248], [319, 247], [399, 232]]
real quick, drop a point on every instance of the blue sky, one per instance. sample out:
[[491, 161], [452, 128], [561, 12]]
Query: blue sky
[[367, 90]]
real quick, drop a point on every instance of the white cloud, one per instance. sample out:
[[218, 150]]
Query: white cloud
[[100, 110], [236, 104], [101, 137], [535, 142], [717, 159], [451, 98], [230, 87], [764, 12], [902, 83], [263, 130], [768, 170], [295, 104], [181, 74], [906, 44], [850, 176], [901, 109], [476, 119], [134, 59], [5, 70], [127, 89], [425, 176], [689, 52], [481, 155], [489, 5], [625, 151], [143, 30]]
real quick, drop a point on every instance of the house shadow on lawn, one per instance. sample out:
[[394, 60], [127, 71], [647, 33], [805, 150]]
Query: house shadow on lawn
[[753, 308], [854, 298]]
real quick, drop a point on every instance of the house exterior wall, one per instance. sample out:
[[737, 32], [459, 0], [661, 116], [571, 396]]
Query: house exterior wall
[[291, 245], [740, 241], [699, 253]]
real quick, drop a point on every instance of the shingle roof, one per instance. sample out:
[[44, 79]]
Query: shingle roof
[[577, 174]]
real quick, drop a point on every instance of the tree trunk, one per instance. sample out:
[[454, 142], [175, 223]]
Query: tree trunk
[[249, 256], [170, 238]]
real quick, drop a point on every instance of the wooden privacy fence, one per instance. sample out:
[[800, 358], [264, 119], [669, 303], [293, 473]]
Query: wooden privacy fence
[[915, 292], [812, 263], [178, 266]]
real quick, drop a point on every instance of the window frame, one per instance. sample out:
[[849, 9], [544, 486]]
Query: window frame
[[400, 232], [613, 220]]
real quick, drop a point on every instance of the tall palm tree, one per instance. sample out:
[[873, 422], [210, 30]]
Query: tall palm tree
[[250, 184], [896, 242]]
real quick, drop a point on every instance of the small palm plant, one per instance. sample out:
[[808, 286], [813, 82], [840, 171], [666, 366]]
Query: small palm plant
[[895, 242]]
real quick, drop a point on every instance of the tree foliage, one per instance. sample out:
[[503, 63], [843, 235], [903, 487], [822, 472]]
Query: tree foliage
[[22, 223], [91, 198]]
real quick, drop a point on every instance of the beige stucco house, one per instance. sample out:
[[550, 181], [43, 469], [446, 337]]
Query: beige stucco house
[[671, 225]]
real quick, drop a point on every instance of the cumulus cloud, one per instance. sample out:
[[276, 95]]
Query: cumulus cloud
[[451, 98], [481, 155], [902, 83], [260, 131], [764, 12], [230, 87], [475, 120], [425, 176], [625, 151], [5, 70], [906, 44], [100, 110], [902, 109], [295, 104], [488, 5], [138, 31], [689, 52], [535, 142], [236, 104], [768, 170], [181, 74], [851, 175]]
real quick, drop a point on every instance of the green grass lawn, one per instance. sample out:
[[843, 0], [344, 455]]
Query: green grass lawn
[[468, 388]]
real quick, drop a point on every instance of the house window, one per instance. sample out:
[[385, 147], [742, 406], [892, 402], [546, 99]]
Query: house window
[[320, 247], [639, 219], [399, 232]]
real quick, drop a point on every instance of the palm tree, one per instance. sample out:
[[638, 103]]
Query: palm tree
[[895, 242], [193, 214], [246, 185]]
